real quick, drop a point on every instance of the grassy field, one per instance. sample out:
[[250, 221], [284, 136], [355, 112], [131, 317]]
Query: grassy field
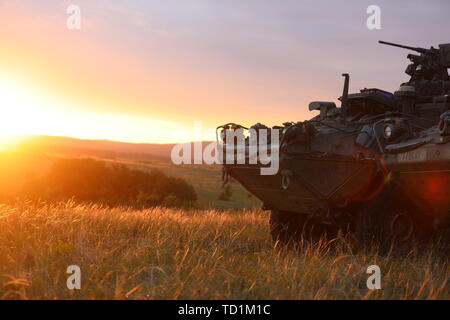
[[193, 254]]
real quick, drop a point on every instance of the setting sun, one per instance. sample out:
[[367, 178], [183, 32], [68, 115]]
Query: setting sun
[[24, 110], [27, 110], [17, 112]]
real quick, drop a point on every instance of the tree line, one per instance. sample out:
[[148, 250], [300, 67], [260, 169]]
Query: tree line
[[111, 184]]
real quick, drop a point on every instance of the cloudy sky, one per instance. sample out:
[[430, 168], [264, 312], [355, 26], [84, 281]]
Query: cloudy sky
[[144, 71]]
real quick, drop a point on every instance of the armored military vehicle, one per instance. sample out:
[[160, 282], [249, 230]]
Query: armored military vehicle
[[378, 165]]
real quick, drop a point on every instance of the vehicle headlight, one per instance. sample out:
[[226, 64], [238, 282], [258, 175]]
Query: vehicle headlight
[[389, 131], [394, 128]]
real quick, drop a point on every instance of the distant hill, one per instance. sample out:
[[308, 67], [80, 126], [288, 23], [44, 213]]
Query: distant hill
[[99, 148]]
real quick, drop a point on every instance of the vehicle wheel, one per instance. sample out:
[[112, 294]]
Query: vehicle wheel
[[289, 228], [390, 221], [286, 227]]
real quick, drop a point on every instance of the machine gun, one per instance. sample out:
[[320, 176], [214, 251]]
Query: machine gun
[[431, 64]]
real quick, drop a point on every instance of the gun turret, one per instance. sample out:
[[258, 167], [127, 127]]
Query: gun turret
[[431, 64]]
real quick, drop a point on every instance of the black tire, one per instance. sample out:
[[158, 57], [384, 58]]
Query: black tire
[[390, 221], [286, 227], [290, 228]]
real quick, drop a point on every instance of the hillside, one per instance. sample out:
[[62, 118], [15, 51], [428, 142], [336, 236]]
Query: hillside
[[35, 154], [105, 148]]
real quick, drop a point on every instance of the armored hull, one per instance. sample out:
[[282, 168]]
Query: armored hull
[[314, 184], [319, 182], [424, 174]]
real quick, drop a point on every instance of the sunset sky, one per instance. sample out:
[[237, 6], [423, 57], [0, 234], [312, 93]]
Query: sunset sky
[[144, 71]]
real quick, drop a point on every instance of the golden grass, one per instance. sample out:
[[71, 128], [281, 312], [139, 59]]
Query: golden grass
[[192, 254]]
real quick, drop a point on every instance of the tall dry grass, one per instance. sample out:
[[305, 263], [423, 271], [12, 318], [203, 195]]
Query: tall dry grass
[[173, 254]]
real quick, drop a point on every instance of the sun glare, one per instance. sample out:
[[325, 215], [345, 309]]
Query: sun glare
[[13, 104], [26, 110], [20, 111]]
